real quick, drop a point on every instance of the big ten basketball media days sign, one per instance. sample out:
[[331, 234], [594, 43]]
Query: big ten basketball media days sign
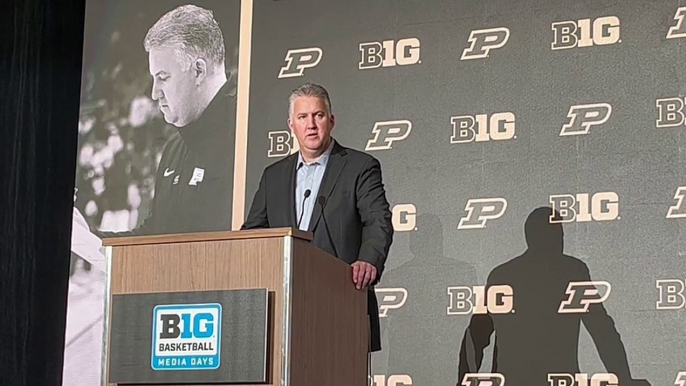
[[189, 337], [186, 336]]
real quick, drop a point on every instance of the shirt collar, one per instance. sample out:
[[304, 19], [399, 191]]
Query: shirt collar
[[321, 160]]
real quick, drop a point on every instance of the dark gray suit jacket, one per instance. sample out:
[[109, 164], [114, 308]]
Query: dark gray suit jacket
[[357, 223]]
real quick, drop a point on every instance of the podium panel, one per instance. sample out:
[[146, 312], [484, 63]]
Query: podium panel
[[197, 337]]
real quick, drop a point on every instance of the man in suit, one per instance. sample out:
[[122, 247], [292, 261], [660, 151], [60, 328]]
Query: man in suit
[[332, 191]]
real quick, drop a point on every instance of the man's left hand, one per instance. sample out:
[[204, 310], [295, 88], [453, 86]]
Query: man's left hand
[[363, 274]]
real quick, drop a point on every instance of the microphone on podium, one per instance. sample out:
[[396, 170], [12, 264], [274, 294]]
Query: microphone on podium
[[302, 206]]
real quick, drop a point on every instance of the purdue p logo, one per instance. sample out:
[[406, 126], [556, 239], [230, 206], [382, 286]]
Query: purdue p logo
[[390, 299], [480, 210], [582, 294], [385, 133], [583, 117], [482, 41], [186, 337], [298, 60]]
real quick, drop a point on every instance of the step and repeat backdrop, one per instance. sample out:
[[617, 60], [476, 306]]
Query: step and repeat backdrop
[[533, 151]]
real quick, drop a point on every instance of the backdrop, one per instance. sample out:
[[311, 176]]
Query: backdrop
[[483, 114]]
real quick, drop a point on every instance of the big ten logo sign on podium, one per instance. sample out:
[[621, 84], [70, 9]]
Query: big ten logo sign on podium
[[385, 133], [671, 294], [390, 299], [389, 53], [581, 294], [298, 60], [670, 112], [482, 41], [404, 217], [482, 127], [600, 379], [480, 210], [584, 207], [585, 33], [390, 380], [678, 210], [186, 337], [582, 117], [495, 299], [483, 379]]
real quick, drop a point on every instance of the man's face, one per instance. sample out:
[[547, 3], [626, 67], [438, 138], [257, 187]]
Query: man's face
[[174, 88], [311, 123]]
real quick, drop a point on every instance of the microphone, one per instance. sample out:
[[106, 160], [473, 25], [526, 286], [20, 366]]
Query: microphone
[[302, 206], [322, 202]]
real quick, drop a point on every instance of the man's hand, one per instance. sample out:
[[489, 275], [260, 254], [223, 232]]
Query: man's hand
[[363, 274]]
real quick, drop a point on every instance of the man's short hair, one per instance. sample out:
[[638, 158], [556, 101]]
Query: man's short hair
[[311, 90], [192, 32]]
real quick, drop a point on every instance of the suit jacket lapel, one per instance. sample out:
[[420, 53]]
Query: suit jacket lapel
[[337, 161], [289, 183]]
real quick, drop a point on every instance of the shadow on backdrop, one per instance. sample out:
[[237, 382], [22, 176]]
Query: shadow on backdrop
[[535, 339], [422, 340]]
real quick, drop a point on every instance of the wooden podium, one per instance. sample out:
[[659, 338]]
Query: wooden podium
[[317, 330]]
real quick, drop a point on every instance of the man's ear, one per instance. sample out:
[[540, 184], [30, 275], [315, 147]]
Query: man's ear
[[199, 70]]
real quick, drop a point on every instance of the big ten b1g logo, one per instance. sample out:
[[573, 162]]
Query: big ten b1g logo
[[298, 60], [581, 118], [600, 379], [581, 294], [404, 217], [495, 299], [482, 41], [679, 29], [385, 133], [585, 33], [671, 294], [390, 299], [584, 207], [281, 144], [482, 127], [389, 53], [483, 379], [391, 380], [670, 112], [678, 210], [186, 337], [480, 210]]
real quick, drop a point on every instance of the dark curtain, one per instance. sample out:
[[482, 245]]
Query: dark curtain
[[40, 83]]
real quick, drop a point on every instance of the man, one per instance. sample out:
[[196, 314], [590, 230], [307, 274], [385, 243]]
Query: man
[[194, 182], [343, 183]]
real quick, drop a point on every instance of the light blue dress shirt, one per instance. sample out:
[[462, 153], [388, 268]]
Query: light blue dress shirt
[[309, 176]]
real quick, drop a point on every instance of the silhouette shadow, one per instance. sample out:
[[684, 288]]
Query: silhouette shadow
[[534, 339], [422, 340]]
